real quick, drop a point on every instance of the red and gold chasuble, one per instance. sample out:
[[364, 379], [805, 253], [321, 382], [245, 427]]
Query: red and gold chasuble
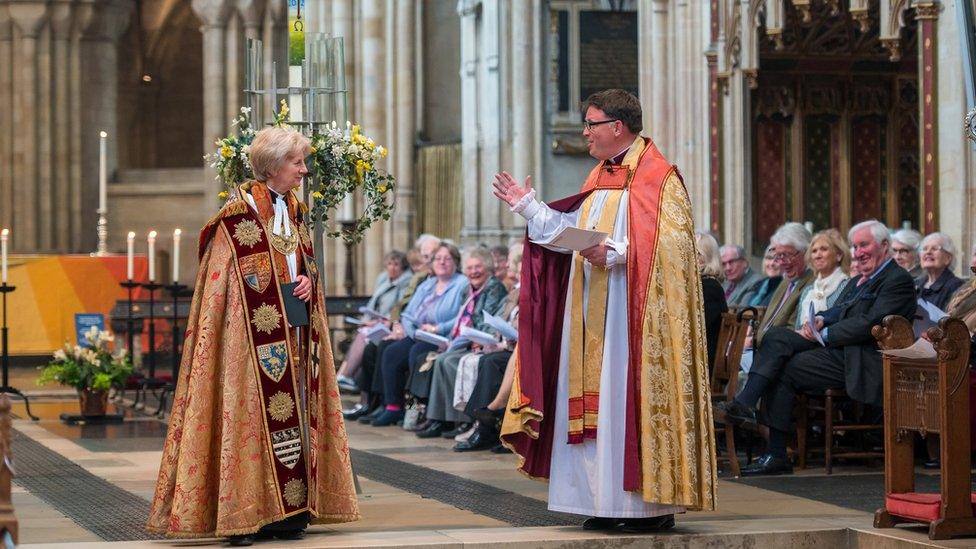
[[256, 432], [669, 451]]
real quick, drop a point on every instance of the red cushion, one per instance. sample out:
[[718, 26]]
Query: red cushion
[[923, 507]]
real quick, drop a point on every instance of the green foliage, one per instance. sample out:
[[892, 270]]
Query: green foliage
[[92, 366]]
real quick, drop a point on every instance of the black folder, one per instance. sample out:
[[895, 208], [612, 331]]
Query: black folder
[[295, 308]]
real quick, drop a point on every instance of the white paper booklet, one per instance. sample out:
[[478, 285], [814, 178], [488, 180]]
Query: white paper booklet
[[928, 315], [574, 238], [376, 332], [352, 320], [477, 336], [921, 349], [812, 326], [434, 339], [504, 328], [373, 313]]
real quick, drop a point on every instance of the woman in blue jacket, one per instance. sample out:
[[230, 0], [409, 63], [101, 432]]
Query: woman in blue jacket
[[433, 308]]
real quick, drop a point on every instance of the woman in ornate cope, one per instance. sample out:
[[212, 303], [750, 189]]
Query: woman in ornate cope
[[256, 443]]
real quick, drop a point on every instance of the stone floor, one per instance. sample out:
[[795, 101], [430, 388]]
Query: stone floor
[[113, 470]]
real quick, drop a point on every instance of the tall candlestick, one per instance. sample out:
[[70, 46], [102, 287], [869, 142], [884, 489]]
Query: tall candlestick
[[4, 234], [176, 255], [152, 256], [102, 172], [130, 255]]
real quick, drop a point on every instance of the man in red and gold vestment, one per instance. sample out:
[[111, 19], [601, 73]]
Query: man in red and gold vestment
[[611, 399], [256, 443]]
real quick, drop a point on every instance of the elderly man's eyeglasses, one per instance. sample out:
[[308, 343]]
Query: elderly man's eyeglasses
[[901, 251], [785, 256], [588, 124]]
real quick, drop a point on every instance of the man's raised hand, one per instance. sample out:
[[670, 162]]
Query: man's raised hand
[[508, 189]]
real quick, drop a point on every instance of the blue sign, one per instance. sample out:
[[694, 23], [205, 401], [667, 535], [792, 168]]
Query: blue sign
[[84, 322]]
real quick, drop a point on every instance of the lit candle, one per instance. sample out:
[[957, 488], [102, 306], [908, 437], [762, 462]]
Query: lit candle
[[4, 234], [176, 255], [102, 172], [152, 256], [131, 255]]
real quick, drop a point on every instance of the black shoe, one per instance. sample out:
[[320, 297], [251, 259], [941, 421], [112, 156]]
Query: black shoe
[[297, 533], [648, 524], [421, 425], [501, 449], [932, 465], [368, 418], [241, 541], [461, 428], [735, 413], [435, 429], [600, 523], [488, 416], [768, 464], [479, 440], [356, 412]]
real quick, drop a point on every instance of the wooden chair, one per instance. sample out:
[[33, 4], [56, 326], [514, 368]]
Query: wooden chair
[[8, 521], [725, 374], [928, 396], [828, 406]]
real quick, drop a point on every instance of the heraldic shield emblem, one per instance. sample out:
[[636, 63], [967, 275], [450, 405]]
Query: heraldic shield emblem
[[273, 358], [287, 446], [256, 269]]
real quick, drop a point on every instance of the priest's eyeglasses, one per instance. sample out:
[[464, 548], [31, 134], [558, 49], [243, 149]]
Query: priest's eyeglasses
[[588, 124]]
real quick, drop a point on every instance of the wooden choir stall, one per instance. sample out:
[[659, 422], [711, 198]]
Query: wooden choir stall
[[927, 395]]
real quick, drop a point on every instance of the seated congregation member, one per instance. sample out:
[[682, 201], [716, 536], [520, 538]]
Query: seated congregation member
[[499, 255], [437, 383], [830, 259], [714, 296], [479, 375], [963, 302], [794, 362], [368, 379], [740, 280], [433, 309], [765, 287], [904, 248], [387, 291], [937, 256]]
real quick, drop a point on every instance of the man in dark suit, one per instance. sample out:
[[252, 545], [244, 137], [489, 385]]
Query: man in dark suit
[[792, 362]]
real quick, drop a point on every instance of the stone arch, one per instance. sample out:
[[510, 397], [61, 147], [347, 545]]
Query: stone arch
[[161, 88]]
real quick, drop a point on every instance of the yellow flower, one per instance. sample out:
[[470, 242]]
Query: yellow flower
[[317, 195], [381, 189], [355, 130], [226, 151], [222, 195]]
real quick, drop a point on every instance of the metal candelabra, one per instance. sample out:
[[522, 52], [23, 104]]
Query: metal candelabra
[[176, 290], [6, 388], [149, 382]]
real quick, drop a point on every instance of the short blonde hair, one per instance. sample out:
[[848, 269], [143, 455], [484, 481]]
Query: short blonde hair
[[708, 249], [837, 242], [270, 148]]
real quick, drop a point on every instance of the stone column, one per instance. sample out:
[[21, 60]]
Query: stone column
[[372, 115], [661, 104], [29, 17], [6, 117], [213, 14], [405, 107], [83, 11], [469, 12], [927, 13], [61, 24], [523, 17], [110, 20]]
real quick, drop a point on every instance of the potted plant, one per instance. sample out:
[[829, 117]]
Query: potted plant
[[91, 368]]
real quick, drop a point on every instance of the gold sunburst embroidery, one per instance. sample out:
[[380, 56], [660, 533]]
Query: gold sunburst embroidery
[[281, 406], [247, 233], [266, 318], [295, 492]]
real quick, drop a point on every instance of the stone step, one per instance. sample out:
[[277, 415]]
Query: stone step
[[689, 535]]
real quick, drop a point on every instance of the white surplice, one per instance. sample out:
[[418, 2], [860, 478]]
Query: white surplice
[[587, 478]]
